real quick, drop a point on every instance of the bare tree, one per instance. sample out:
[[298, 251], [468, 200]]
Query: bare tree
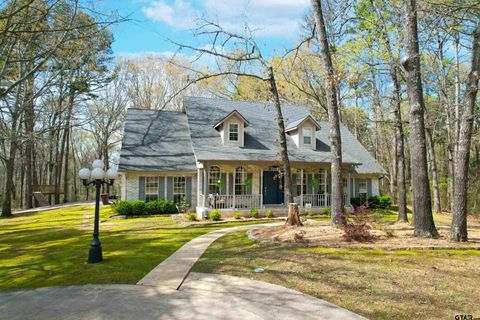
[[333, 112], [422, 207], [459, 215]]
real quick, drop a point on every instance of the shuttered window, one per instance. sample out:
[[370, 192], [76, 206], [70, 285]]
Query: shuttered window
[[214, 179], [240, 179], [151, 188], [322, 181], [179, 189], [362, 187]]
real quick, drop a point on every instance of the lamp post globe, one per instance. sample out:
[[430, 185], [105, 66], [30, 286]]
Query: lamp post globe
[[97, 164], [112, 174], [98, 174], [84, 173]]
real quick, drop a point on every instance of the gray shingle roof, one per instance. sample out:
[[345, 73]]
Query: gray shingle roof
[[167, 146]]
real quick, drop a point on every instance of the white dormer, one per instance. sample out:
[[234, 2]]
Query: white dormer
[[303, 132], [232, 128]]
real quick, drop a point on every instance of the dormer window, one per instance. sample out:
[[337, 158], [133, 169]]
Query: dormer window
[[232, 129], [307, 136], [303, 132], [233, 132]]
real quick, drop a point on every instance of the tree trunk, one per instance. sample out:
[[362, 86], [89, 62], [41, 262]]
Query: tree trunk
[[459, 215], [66, 142], [293, 218], [9, 168], [436, 191], [29, 143], [422, 207], [399, 149], [442, 89], [293, 215], [333, 113]]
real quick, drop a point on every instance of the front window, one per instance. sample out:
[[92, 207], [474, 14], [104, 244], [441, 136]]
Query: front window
[[301, 184], [322, 181], [179, 189], [233, 132], [240, 180], [214, 179], [362, 187], [307, 135], [345, 185], [151, 188]]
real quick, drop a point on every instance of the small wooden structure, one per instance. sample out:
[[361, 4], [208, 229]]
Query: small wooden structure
[[40, 197], [46, 189]]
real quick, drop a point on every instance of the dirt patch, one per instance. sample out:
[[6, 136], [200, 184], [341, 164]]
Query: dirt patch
[[388, 236]]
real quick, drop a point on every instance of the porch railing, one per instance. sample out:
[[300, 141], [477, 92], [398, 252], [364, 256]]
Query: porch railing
[[319, 200], [244, 201]]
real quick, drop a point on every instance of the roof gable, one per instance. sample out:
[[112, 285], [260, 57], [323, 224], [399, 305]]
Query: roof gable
[[231, 114], [298, 123]]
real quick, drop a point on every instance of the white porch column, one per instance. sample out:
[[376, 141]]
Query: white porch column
[[348, 188], [301, 188], [198, 185], [233, 191], [261, 188], [205, 185]]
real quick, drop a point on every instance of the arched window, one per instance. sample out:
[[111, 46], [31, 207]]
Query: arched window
[[240, 179], [214, 177]]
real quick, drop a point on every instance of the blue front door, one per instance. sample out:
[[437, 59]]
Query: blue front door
[[272, 188]]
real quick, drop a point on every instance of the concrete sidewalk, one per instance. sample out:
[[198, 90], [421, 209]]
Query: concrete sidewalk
[[172, 271], [57, 206], [202, 296]]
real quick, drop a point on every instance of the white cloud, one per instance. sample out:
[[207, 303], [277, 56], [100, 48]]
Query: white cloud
[[180, 14], [277, 18]]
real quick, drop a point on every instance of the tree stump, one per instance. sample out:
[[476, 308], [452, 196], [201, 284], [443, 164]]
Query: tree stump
[[293, 218]]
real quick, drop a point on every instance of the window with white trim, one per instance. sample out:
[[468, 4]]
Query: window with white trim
[[214, 179], [301, 185], [233, 132], [151, 188], [307, 136], [179, 189], [240, 179], [362, 187], [322, 181], [345, 185]]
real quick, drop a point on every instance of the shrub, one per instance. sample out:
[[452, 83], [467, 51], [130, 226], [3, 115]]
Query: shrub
[[326, 211], [254, 213], [192, 216], [122, 207], [358, 227], [380, 202], [215, 215], [238, 215], [268, 214], [138, 207], [309, 213], [358, 201]]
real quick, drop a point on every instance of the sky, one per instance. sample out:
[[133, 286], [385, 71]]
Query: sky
[[153, 22]]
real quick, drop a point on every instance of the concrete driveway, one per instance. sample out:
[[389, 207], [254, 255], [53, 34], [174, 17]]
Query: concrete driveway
[[201, 296]]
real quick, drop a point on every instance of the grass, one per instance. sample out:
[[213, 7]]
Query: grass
[[413, 284], [50, 248]]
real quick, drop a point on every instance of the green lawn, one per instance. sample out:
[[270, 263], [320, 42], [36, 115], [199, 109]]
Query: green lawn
[[414, 284], [50, 248]]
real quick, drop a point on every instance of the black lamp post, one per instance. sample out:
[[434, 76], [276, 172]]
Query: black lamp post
[[96, 177]]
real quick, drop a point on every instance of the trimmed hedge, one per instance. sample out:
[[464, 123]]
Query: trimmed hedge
[[139, 207], [375, 202]]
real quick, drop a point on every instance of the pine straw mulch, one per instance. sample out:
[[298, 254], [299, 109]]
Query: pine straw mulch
[[387, 236]]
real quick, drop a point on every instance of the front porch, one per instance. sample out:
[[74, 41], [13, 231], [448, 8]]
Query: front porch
[[256, 201], [256, 186]]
